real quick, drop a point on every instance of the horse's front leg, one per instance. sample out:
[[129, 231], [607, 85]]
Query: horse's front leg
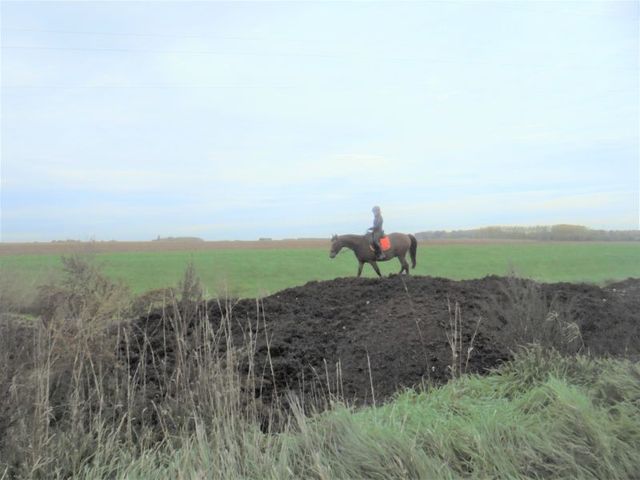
[[375, 267], [360, 265]]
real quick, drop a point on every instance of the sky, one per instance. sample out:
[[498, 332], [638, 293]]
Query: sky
[[239, 120]]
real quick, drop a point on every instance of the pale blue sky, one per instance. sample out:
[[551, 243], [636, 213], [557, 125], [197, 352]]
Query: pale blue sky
[[239, 120]]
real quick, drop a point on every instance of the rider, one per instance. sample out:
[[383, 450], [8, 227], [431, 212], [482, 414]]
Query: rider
[[377, 233]]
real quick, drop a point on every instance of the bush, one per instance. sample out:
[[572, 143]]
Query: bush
[[84, 295]]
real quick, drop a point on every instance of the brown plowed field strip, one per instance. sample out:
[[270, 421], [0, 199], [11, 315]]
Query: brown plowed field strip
[[155, 246], [57, 248]]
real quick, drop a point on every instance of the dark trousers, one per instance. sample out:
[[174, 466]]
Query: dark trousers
[[376, 236]]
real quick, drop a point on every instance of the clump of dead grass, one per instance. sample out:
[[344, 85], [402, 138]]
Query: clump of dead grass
[[531, 316], [460, 352]]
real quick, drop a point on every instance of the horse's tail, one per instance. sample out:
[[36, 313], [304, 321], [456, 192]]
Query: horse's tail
[[412, 250]]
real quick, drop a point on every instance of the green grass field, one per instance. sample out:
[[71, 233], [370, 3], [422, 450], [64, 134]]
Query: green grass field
[[255, 272]]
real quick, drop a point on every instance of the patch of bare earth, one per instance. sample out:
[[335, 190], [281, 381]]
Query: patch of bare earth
[[364, 337]]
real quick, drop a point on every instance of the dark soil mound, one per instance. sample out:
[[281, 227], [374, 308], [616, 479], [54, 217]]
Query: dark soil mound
[[357, 336]]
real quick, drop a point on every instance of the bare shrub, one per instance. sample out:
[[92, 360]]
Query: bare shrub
[[59, 374], [84, 294], [16, 359], [83, 381], [19, 293], [191, 292]]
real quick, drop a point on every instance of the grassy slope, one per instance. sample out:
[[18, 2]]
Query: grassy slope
[[543, 416], [255, 272]]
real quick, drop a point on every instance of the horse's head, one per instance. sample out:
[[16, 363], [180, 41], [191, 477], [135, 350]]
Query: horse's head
[[335, 246]]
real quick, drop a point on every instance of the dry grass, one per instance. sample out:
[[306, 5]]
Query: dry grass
[[459, 354], [529, 316], [92, 379]]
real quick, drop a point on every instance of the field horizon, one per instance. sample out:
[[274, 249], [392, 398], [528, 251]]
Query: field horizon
[[107, 246], [259, 268]]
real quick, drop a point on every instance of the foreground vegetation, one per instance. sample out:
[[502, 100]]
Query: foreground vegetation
[[82, 395], [252, 273], [542, 416]]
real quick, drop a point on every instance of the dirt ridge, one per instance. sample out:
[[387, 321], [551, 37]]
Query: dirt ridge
[[361, 337]]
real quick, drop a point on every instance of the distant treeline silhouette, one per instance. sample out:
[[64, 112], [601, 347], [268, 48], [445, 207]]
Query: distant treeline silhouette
[[177, 239], [543, 232]]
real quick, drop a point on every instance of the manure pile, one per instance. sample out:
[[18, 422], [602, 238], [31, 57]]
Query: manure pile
[[364, 337]]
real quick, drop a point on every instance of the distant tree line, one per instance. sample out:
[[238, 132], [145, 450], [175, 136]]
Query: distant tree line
[[544, 232], [177, 239]]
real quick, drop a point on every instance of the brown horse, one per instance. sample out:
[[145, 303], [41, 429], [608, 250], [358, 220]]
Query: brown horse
[[361, 246]]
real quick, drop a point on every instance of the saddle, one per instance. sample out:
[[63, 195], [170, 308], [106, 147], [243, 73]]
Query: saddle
[[385, 243]]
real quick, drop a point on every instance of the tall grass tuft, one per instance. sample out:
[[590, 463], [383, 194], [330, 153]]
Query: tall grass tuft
[[529, 316], [459, 354]]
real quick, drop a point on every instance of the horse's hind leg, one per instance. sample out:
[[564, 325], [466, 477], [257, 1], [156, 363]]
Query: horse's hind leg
[[360, 265], [375, 267], [404, 266]]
